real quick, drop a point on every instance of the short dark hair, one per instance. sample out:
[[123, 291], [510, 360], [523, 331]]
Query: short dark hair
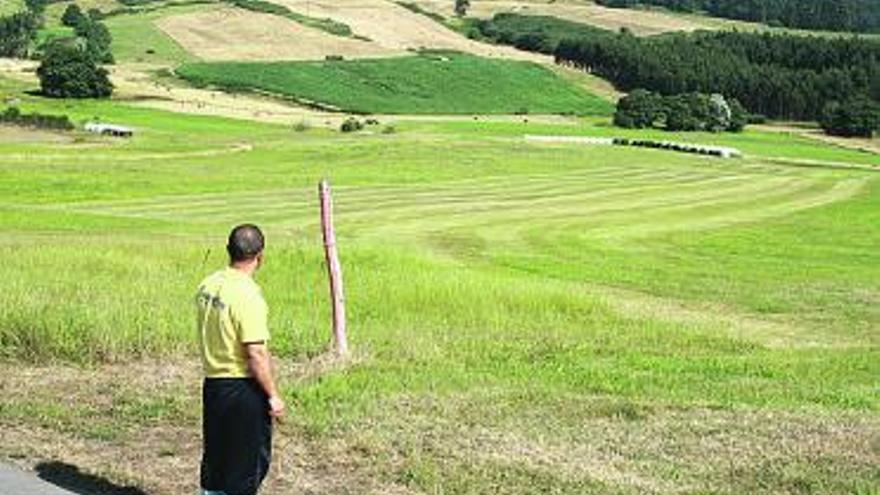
[[245, 243]]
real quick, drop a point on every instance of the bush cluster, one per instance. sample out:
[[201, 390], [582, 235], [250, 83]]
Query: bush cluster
[[351, 124], [855, 117], [14, 116], [94, 36], [685, 112], [19, 31]]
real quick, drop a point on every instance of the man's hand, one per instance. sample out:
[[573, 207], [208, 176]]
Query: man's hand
[[276, 407]]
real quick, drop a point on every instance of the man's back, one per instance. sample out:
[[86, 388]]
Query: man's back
[[231, 312]]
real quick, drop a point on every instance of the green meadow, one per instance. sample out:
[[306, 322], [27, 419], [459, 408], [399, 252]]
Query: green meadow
[[525, 317], [428, 83]]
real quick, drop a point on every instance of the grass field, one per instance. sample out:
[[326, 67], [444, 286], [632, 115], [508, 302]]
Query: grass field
[[11, 6], [436, 82], [136, 38], [526, 318]]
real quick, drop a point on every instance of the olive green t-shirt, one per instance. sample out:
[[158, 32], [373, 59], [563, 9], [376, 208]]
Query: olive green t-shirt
[[231, 313]]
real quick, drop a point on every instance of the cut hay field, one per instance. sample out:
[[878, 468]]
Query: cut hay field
[[234, 34], [394, 28], [639, 21], [431, 82], [525, 317]]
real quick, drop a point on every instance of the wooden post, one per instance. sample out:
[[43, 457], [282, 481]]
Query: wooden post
[[333, 268]]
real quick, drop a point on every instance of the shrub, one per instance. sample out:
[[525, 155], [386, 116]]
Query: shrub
[[13, 115], [73, 16], [301, 126], [351, 124]]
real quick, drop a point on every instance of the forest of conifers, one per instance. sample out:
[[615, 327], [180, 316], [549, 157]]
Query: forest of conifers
[[835, 15], [777, 75]]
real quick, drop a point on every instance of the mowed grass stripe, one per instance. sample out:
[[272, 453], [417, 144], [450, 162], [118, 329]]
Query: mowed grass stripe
[[346, 197], [701, 216], [438, 202], [633, 203], [374, 191]]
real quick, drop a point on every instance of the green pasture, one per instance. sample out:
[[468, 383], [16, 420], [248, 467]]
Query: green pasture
[[524, 315], [11, 6], [433, 82], [137, 39]]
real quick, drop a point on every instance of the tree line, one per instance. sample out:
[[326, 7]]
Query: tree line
[[779, 76], [834, 15], [776, 75]]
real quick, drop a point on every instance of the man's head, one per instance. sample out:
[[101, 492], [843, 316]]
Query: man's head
[[245, 245]]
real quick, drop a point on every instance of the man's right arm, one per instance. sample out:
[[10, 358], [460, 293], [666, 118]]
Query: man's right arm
[[260, 365]]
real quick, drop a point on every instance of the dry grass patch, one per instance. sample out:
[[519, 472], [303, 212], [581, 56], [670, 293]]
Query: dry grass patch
[[236, 34], [618, 446], [397, 29], [139, 424], [643, 22], [13, 134]]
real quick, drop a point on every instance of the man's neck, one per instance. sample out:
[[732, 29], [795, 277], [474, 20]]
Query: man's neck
[[248, 268]]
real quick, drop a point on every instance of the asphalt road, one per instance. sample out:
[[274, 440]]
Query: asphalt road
[[14, 481]]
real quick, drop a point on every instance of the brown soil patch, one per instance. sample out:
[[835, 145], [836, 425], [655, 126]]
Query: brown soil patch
[[236, 34]]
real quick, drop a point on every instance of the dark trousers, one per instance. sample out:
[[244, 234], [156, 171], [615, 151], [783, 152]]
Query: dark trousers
[[236, 435]]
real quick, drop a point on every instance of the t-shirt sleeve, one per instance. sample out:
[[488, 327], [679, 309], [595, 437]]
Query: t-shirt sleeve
[[252, 318]]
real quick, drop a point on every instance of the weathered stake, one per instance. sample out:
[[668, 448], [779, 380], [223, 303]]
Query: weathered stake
[[333, 268]]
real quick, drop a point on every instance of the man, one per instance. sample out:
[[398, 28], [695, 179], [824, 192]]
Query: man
[[239, 397]]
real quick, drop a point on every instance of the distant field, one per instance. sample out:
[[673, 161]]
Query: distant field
[[394, 28], [429, 83], [642, 22], [235, 34], [137, 37]]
